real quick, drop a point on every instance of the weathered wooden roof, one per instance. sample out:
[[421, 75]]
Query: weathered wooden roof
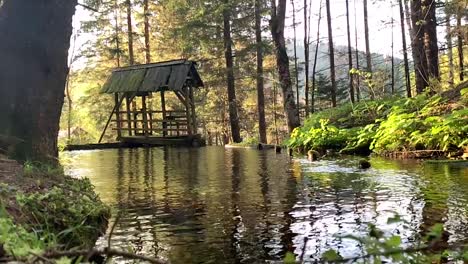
[[153, 77]]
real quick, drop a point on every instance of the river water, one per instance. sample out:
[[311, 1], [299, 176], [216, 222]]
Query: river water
[[216, 205]]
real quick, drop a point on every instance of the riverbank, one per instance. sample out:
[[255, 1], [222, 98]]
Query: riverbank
[[41, 210], [421, 127]]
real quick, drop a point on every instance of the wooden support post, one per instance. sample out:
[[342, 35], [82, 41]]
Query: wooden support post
[[192, 107], [145, 117], [117, 106], [135, 117], [117, 116], [150, 116], [187, 110], [129, 116], [163, 109]]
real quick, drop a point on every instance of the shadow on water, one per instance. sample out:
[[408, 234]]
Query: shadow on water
[[216, 205]]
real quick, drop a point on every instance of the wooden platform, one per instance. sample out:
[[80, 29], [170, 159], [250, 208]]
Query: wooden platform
[[142, 141]]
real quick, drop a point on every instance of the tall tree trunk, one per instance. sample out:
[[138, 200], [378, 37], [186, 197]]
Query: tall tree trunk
[[33, 72], [393, 56], [408, 18], [358, 67], [405, 49], [131, 55], [332, 55], [260, 88], [366, 33], [277, 21], [296, 69], [460, 43], [146, 31], [419, 56], [350, 55], [314, 69], [233, 112], [448, 30], [117, 32], [306, 56], [430, 38]]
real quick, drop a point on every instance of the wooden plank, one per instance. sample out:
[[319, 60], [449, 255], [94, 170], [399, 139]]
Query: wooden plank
[[117, 116], [145, 117], [155, 129], [193, 113], [109, 119], [129, 123], [179, 121], [163, 108]]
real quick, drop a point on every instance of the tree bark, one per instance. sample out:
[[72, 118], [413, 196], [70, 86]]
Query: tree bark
[[419, 56], [460, 43], [350, 55], [35, 38], [146, 31], [405, 49], [366, 33], [296, 71], [233, 112], [358, 67], [430, 38], [448, 37], [117, 32], [277, 21], [306, 56], [314, 68], [332, 55], [131, 55], [260, 80]]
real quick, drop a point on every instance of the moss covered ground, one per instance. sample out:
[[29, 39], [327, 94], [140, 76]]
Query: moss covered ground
[[41, 209]]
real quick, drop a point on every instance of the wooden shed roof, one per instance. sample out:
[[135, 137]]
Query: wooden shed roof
[[153, 77]]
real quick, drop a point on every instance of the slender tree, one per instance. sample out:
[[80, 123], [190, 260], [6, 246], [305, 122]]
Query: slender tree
[[448, 37], [131, 55], [405, 49], [296, 69], [460, 43], [306, 55], [277, 23], [233, 111], [117, 32], [366, 34], [146, 15], [260, 88], [35, 38], [393, 56], [314, 68], [350, 55], [332, 54], [358, 67]]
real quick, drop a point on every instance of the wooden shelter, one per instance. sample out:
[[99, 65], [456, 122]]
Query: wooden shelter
[[136, 88]]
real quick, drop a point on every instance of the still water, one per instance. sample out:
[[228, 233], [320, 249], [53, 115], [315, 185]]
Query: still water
[[216, 205]]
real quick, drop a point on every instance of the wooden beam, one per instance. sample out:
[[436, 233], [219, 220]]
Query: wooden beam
[[163, 108], [193, 113], [117, 116], [116, 106], [187, 109], [129, 117], [145, 117]]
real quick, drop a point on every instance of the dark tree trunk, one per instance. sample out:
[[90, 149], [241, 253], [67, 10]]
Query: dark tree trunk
[[296, 71], [366, 33], [430, 38], [405, 50], [131, 55], [350, 55], [260, 88], [314, 68], [117, 32], [332, 55], [419, 55], [233, 112], [358, 67], [35, 38], [460, 43], [306, 56], [277, 21], [448, 30], [146, 31], [393, 57]]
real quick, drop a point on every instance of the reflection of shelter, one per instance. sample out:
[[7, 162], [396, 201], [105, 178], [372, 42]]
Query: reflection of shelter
[[138, 121]]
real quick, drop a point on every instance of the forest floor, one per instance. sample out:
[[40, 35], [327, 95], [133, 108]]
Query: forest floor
[[41, 209], [425, 126]]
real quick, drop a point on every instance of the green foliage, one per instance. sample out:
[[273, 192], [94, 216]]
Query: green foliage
[[418, 123], [77, 221]]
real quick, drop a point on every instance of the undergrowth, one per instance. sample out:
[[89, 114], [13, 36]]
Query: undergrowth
[[391, 125]]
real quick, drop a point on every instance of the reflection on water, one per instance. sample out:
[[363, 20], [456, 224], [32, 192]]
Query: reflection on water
[[212, 205]]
